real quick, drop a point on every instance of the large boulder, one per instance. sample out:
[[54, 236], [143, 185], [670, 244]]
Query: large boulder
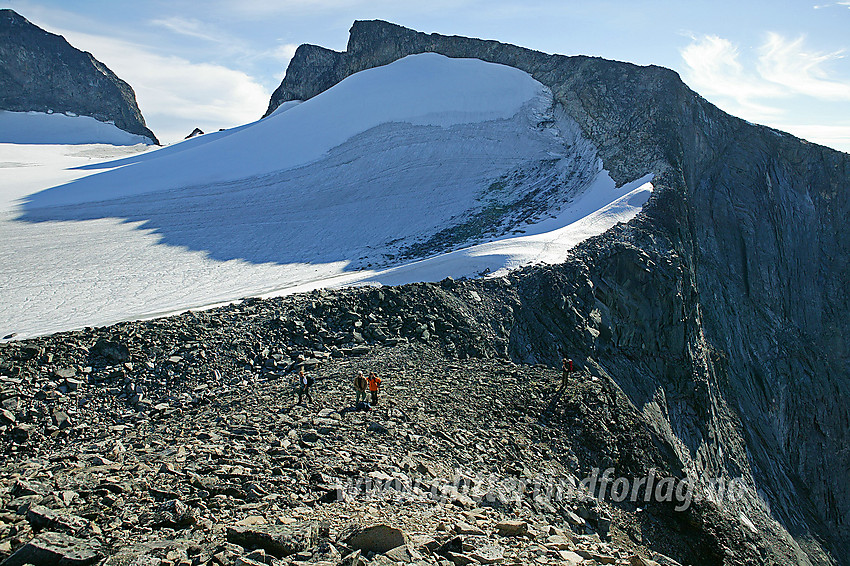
[[42, 518], [56, 549], [278, 540], [377, 538], [112, 351]]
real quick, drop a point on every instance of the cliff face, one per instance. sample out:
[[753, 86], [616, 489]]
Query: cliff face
[[41, 72], [722, 311]]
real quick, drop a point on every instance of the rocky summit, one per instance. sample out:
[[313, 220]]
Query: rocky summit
[[706, 423], [42, 72]]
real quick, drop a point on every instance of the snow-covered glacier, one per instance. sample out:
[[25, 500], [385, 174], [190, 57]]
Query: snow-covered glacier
[[425, 168]]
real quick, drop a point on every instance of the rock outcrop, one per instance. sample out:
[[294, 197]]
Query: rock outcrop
[[722, 311], [42, 72], [194, 133]]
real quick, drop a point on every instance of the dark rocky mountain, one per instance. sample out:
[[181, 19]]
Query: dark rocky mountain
[[722, 311], [710, 335], [42, 72]]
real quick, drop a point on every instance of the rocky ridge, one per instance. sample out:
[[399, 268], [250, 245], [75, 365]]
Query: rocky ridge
[[722, 312], [179, 440], [42, 72]]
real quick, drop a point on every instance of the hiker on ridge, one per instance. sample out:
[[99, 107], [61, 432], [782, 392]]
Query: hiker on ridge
[[566, 370], [374, 384], [304, 382], [360, 385]]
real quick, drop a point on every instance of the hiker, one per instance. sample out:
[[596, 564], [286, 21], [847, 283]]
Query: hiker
[[567, 369], [374, 384], [360, 385], [304, 382]]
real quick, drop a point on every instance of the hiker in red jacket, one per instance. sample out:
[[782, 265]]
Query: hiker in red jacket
[[374, 384]]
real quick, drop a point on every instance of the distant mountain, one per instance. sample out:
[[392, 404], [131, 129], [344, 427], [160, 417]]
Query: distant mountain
[[42, 72], [195, 132]]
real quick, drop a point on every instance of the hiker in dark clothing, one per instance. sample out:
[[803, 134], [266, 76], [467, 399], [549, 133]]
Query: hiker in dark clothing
[[374, 384], [567, 369], [304, 382]]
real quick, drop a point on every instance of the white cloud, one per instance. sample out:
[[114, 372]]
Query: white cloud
[[174, 94], [264, 8], [283, 53], [713, 68], [190, 28], [779, 80], [842, 4], [782, 68], [837, 137], [787, 63], [231, 48]]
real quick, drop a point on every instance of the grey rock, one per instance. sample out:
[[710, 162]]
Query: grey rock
[[41, 518], [151, 553], [112, 351], [7, 417], [56, 549], [20, 434], [512, 528], [489, 554], [375, 538], [65, 373], [352, 559], [277, 540], [463, 528], [174, 514], [61, 419], [403, 553], [376, 428]]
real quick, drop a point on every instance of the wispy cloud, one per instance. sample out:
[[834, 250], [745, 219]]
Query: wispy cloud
[[789, 64], [772, 83], [190, 28], [780, 68], [713, 67], [233, 48], [265, 8]]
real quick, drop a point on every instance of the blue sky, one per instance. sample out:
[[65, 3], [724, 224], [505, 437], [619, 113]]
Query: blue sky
[[214, 64]]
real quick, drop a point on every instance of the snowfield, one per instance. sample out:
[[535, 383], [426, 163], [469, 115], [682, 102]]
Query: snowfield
[[41, 128], [425, 168]]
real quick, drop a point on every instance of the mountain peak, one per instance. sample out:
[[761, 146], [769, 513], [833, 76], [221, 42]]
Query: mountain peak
[[595, 92], [41, 72]]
